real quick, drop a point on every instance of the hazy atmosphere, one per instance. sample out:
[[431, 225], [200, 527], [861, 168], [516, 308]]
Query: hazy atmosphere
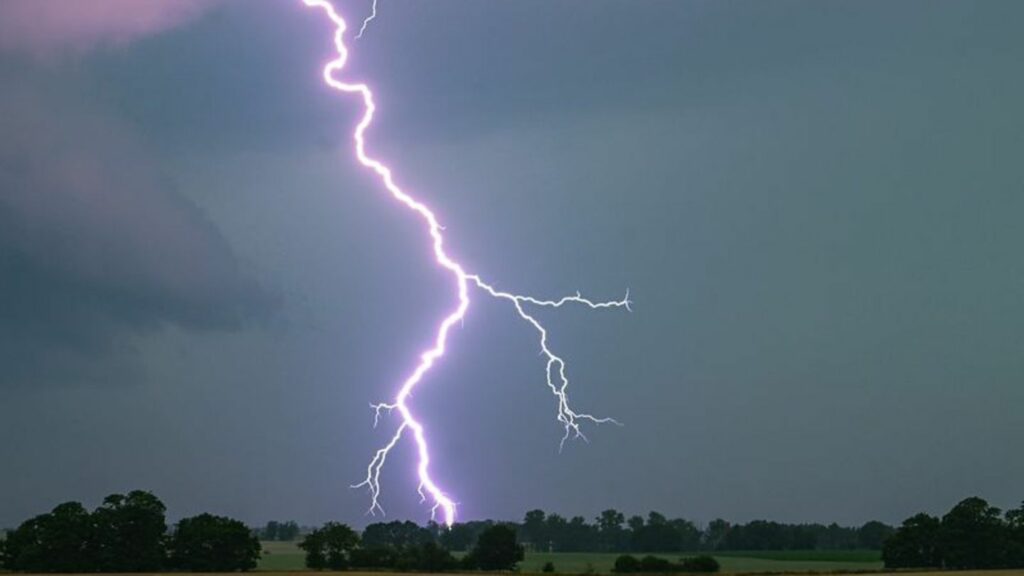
[[816, 208]]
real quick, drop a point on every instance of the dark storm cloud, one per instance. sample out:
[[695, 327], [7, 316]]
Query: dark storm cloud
[[96, 245], [52, 28]]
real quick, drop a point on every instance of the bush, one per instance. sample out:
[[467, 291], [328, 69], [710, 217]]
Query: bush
[[548, 568], [702, 563], [655, 564], [626, 564]]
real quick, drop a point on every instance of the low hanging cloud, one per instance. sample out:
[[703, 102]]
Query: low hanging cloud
[[96, 246], [51, 27]]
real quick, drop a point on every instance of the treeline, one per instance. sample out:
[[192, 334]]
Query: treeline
[[972, 536], [612, 531], [405, 546], [275, 531], [627, 564], [127, 533]]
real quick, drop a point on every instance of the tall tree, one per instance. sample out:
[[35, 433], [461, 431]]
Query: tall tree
[[915, 544], [496, 549], [462, 535], [208, 543], [973, 536], [534, 530], [270, 531], [556, 528], [1015, 535], [329, 547], [395, 535], [873, 534], [55, 542], [130, 532], [288, 531], [611, 534], [687, 534], [714, 534]]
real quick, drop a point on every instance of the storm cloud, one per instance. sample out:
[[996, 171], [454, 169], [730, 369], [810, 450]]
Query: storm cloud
[[96, 245], [51, 27]]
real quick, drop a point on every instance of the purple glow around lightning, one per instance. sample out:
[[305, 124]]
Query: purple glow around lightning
[[557, 380]]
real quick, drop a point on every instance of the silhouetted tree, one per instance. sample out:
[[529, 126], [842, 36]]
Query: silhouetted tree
[[425, 557], [872, 535], [56, 542], [556, 527], [269, 531], [635, 523], [395, 535], [1015, 536], [914, 544], [288, 531], [687, 534], [656, 535], [579, 536], [208, 543], [275, 531], [329, 547], [496, 549], [714, 534], [534, 530], [130, 531], [462, 535], [973, 536], [611, 535]]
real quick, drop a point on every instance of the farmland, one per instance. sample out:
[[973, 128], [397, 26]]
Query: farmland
[[286, 556]]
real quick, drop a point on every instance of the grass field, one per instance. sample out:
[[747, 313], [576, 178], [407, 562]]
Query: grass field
[[282, 556], [290, 573], [287, 556]]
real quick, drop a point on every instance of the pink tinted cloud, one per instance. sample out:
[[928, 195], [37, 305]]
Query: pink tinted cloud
[[49, 27]]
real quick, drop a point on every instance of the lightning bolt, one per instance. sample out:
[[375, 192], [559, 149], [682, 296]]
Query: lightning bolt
[[557, 380], [366, 22]]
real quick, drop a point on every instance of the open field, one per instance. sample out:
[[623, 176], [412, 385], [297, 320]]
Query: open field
[[287, 556], [578, 563], [293, 573], [807, 555]]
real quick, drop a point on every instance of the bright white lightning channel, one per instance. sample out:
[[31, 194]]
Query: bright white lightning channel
[[557, 380]]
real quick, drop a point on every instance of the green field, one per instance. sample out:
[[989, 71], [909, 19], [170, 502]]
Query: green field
[[772, 561], [279, 556]]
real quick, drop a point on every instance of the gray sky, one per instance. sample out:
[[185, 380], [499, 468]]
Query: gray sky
[[816, 206]]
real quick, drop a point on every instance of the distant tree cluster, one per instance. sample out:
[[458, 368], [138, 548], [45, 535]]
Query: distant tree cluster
[[971, 536], [627, 564], [276, 531], [407, 547], [127, 533], [613, 532]]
